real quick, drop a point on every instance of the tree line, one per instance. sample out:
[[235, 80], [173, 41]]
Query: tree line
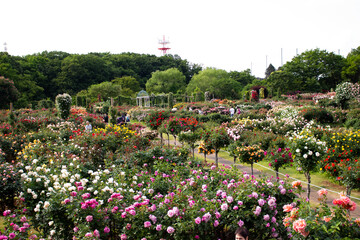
[[47, 74]]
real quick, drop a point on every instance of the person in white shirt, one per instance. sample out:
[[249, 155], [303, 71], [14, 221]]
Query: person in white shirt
[[88, 127], [232, 111]]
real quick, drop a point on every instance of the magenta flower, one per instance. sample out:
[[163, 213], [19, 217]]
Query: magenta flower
[[261, 202], [216, 223], [106, 230], [206, 217], [123, 237], [266, 217], [198, 220], [158, 227], [257, 211], [240, 223], [89, 218], [96, 233], [12, 235], [88, 234], [147, 224], [153, 218]]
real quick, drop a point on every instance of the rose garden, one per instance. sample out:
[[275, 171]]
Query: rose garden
[[120, 182], [158, 176]]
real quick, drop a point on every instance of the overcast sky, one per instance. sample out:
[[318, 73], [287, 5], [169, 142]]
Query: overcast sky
[[226, 34]]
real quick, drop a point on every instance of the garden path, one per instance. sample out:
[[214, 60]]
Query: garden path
[[257, 173]]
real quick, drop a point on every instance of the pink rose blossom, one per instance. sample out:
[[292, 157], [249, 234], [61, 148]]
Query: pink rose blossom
[[170, 229]]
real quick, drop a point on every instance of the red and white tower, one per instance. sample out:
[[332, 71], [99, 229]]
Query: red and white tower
[[164, 48]]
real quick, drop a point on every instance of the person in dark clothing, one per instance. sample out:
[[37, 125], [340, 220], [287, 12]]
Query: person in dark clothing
[[106, 118]]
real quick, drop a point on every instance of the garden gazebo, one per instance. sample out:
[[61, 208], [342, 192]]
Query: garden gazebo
[[143, 99]]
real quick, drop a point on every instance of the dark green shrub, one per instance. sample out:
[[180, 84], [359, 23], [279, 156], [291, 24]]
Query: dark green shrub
[[326, 102], [352, 123], [63, 105], [355, 113], [320, 115], [45, 103]]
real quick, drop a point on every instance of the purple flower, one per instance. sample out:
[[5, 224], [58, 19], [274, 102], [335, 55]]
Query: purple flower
[[240, 223], [266, 217], [106, 230], [198, 220], [170, 229], [217, 215], [229, 199], [12, 235]]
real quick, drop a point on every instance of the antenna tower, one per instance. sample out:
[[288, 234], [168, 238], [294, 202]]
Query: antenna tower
[[164, 49]]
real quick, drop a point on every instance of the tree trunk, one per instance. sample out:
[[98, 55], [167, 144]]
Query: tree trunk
[[348, 190], [205, 157], [234, 159], [216, 158], [168, 140], [161, 138], [175, 139], [307, 175], [277, 174]]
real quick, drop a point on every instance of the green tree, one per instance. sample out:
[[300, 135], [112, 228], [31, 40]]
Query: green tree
[[8, 92], [170, 80], [243, 77], [78, 72], [351, 70], [129, 85], [214, 81], [105, 89], [215, 139], [283, 80], [313, 70], [270, 69]]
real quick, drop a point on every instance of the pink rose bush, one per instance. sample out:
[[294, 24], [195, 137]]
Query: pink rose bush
[[160, 201]]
